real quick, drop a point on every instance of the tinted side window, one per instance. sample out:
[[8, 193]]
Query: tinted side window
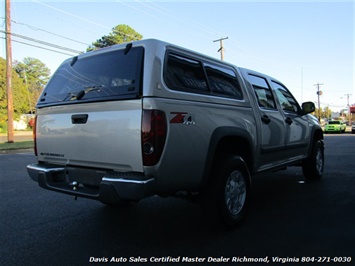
[[184, 74], [223, 81], [262, 92], [188, 74], [288, 103]]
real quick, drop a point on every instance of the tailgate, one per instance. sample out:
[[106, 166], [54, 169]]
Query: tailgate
[[99, 134]]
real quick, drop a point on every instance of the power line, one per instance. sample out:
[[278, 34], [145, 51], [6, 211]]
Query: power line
[[43, 42], [156, 7], [46, 31], [243, 51], [40, 47], [78, 17], [70, 14], [172, 16]]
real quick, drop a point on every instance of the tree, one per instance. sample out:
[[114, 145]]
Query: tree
[[120, 34], [327, 112], [35, 75], [323, 113], [20, 95]]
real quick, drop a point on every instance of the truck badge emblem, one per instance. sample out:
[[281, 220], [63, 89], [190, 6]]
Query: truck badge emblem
[[182, 118]]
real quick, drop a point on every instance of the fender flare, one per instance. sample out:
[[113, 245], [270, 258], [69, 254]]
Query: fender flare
[[217, 135]]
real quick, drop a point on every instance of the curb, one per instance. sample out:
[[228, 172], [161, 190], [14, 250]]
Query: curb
[[17, 151]]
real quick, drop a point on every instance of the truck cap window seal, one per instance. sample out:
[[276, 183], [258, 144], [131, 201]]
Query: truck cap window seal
[[99, 77]]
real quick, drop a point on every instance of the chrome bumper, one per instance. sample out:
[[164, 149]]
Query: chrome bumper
[[109, 190]]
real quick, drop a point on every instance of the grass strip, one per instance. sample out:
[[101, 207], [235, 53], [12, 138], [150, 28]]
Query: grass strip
[[17, 145]]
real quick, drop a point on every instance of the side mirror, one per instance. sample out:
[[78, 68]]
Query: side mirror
[[308, 107]]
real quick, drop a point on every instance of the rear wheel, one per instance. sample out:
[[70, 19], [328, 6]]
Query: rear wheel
[[313, 166], [230, 189]]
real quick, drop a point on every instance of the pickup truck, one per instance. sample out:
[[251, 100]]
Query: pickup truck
[[151, 118]]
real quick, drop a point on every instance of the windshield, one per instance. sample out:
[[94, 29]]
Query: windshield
[[101, 76]]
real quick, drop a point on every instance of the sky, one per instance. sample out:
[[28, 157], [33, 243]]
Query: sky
[[301, 43]]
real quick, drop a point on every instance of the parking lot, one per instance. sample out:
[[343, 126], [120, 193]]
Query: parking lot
[[289, 218]]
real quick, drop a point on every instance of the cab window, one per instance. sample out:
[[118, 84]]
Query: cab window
[[285, 98], [262, 92]]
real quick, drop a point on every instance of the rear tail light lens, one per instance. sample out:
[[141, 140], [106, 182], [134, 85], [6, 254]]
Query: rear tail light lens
[[35, 135], [154, 129]]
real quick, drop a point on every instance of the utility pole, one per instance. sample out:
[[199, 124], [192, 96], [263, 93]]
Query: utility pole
[[348, 105], [221, 49], [10, 104], [319, 93]]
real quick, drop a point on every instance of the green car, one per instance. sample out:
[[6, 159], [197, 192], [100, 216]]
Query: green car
[[335, 126]]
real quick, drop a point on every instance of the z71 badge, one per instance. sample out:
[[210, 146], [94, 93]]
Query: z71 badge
[[182, 118]]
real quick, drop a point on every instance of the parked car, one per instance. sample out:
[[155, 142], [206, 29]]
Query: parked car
[[353, 128], [335, 126]]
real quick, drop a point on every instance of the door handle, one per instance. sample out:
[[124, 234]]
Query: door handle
[[288, 120], [265, 119], [79, 119]]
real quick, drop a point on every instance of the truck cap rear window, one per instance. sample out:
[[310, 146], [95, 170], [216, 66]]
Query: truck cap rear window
[[98, 77]]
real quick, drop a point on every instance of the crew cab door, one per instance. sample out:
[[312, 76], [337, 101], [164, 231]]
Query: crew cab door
[[297, 125], [272, 124]]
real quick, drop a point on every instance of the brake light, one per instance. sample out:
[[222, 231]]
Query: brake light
[[154, 129], [35, 135]]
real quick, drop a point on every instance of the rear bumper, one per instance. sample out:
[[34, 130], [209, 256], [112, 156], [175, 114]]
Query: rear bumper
[[132, 187]]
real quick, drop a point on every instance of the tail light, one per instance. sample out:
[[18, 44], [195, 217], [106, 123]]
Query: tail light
[[154, 129], [35, 135]]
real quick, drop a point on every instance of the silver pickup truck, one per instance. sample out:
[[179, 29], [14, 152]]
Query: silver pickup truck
[[150, 118]]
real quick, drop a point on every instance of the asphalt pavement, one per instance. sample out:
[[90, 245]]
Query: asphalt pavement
[[289, 219]]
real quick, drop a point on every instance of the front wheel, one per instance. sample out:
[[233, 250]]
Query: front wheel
[[231, 189], [313, 166]]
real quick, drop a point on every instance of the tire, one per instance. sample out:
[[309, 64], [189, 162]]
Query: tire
[[313, 166], [230, 191]]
